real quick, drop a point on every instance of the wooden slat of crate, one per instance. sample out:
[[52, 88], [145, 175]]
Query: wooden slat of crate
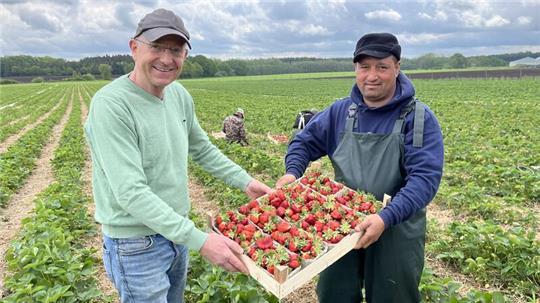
[[280, 290]]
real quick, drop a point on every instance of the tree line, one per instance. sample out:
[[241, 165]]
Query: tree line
[[106, 67]]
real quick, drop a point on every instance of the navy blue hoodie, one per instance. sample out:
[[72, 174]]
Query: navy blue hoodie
[[423, 166]]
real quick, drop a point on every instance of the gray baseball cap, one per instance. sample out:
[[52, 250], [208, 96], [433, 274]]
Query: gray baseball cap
[[159, 23]]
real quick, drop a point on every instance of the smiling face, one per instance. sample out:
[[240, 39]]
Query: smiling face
[[155, 66], [376, 79]]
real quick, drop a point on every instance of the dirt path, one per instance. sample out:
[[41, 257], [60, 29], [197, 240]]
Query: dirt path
[[17, 120], [105, 285], [14, 138], [21, 204]]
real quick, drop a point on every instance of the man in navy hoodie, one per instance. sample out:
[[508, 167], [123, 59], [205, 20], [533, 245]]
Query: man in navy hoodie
[[380, 140]]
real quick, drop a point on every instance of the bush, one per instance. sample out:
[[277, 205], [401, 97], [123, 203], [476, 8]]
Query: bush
[[221, 73], [8, 81], [38, 80], [88, 77]]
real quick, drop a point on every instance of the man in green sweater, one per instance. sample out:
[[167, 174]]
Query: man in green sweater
[[141, 128]]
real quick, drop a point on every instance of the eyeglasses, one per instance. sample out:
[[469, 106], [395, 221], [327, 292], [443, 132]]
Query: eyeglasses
[[159, 49]]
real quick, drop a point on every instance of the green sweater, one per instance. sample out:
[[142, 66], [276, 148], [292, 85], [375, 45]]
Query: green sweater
[[140, 146]]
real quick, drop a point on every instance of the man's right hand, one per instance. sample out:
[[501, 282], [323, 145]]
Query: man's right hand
[[286, 179], [224, 252]]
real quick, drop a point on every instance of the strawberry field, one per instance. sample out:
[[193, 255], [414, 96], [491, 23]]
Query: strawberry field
[[483, 242]]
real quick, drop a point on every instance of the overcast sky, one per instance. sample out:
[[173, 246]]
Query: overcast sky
[[262, 29]]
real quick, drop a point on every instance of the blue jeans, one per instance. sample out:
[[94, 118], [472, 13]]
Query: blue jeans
[[146, 269]]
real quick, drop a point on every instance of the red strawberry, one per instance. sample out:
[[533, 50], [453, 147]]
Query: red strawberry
[[263, 218], [310, 219], [294, 263], [335, 214], [254, 218], [244, 209], [275, 202], [219, 219], [283, 226], [253, 203], [333, 225], [265, 243]]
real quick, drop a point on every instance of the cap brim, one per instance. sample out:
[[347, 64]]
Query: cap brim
[[371, 53], [155, 33]]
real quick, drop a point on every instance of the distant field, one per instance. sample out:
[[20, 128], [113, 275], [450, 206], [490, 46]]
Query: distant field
[[495, 72]]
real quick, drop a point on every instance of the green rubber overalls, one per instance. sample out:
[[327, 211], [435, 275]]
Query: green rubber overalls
[[390, 269]]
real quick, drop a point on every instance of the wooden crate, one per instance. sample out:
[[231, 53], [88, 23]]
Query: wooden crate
[[281, 284]]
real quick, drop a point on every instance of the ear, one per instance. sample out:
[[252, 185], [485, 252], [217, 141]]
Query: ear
[[398, 67], [134, 47]]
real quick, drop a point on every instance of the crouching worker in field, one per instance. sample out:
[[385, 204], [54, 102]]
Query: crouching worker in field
[[381, 140], [233, 127], [141, 128]]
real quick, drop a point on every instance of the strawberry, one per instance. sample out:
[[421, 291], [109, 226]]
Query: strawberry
[[263, 218], [264, 243], [244, 209], [275, 202], [280, 211], [253, 203], [310, 219], [219, 219], [254, 218], [333, 225], [294, 263], [283, 226], [335, 214]]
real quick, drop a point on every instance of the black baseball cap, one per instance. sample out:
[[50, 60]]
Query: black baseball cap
[[377, 45], [159, 23]]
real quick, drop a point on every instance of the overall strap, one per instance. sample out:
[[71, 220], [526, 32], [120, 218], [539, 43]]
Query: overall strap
[[351, 117], [418, 126]]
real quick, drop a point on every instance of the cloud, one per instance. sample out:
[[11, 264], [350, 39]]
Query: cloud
[[253, 29], [496, 21], [419, 38], [39, 19], [522, 20], [390, 15], [438, 16]]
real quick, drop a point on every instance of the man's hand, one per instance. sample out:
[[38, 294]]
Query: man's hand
[[256, 189], [286, 179], [224, 252], [373, 227]]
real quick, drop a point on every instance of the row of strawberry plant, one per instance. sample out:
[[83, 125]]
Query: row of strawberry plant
[[29, 111], [506, 258], [489, 137], [20, 159], [438, 290], [13, 94], [49, 260]]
